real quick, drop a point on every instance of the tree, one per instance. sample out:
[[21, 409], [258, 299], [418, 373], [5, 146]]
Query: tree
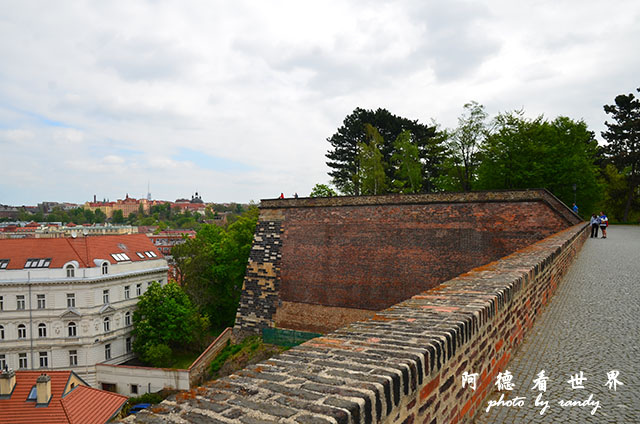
[[463, 144], [165, 320], [406, 160], [117, 217], [523, 153], [344, 149], [371, 177], [100, 216], [322, 190], [623, 149], [211, 267]]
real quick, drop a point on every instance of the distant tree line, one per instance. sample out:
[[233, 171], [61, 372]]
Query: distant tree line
[[376, 152], [162, 215]]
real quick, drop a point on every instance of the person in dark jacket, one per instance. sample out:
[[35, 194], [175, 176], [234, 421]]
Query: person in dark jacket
[[595, 223]]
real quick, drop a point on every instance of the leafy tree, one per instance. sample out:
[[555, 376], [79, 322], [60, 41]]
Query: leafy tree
[[165, 321], [100, 217], [463, 144], [623, 149], [322, 190], [371, 177], [345, 149], [211, 267], [406, 160], [117, 217], [523, 153]]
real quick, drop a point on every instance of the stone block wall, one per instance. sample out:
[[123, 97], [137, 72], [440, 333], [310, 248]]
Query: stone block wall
[[402, 366], [319, 264]]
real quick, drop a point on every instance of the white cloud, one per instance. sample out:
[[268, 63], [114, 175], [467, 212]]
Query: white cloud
[[101, 97]]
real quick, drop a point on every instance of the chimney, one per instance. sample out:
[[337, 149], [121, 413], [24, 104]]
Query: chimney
[[94, 198], [43, 390], [7, 383]]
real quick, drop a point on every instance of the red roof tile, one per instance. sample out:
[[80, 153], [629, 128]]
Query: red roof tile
[[83, 249], [99, 405]]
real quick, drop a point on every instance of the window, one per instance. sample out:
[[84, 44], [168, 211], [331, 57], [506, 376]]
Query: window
[[105, 296], [127, 319], [1, 334], [44, 359], [72, 329], [139, 289], [22, 361], [1, 303], [22, 331], [107, 351], [140, 255], [73, 358], [127, 345], [42, 330], [71, 271], [4, 263], [42, 302], [38, 263], [20, 302], [3, 361], [134, 389], [127, 292], [106, 323], [33, 394], [71, 300], [120, 257], [105, 268]]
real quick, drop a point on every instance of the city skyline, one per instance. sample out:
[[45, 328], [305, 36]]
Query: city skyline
[[236, 101]]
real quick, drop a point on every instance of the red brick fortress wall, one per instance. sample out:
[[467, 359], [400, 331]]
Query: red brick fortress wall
[[403, 366], [331, 261]]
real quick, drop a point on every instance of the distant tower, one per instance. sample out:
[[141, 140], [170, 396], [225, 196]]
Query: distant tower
[[148, 190]]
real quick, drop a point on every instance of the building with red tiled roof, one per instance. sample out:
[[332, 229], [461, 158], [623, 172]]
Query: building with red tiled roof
[[57, 397], [67, 303]]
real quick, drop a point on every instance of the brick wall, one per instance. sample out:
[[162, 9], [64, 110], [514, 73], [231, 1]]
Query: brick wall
[[402, 366], [319, 264]]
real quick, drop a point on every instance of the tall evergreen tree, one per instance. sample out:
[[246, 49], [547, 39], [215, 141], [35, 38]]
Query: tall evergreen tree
[[623, 136], [371, 177], [344, 147]]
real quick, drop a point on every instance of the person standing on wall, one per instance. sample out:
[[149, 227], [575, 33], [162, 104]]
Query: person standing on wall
[[595, 223], [575, 209], [604, 223]]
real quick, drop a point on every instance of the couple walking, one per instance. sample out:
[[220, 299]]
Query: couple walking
[[599, 221]]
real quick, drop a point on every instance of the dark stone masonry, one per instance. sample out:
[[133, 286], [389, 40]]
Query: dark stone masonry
[[403, 365]]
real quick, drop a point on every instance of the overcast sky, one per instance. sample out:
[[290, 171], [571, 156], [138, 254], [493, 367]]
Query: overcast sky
[[235, 99]]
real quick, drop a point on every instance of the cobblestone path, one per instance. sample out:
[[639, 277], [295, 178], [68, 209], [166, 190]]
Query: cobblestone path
[[591, 324]]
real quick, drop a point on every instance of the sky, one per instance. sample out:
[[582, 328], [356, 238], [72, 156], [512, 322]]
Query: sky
[[235, 100]]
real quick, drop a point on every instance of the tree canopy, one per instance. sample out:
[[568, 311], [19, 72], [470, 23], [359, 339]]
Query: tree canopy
[[322, 190], [537, 153], [623, 149], [211, 267], [347, 147], [165, 320]]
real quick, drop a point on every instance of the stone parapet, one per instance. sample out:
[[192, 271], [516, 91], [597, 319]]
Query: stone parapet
[[402, 366]]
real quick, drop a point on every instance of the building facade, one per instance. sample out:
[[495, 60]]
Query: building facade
[[67, 303]]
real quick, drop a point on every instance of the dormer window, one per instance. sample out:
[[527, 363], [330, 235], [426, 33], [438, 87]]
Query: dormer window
[[105, 268], [71, 271]]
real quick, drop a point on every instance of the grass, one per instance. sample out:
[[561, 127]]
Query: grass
[[234, 357], [183, 360]]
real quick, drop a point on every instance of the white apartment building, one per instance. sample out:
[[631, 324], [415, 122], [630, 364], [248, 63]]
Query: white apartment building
[[67, 303]]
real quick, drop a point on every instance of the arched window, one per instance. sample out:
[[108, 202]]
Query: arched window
[[127, 319], [42, 330], [71, 271], [72, 329], [22, 331], [106, 323], [105, 268], [1, 332]]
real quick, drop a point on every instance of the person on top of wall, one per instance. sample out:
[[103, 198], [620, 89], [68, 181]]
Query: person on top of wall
[[595, 223], [575, 209], [604, 223]]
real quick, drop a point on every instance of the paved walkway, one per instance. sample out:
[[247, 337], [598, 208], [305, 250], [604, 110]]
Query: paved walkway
[[592, 324]]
